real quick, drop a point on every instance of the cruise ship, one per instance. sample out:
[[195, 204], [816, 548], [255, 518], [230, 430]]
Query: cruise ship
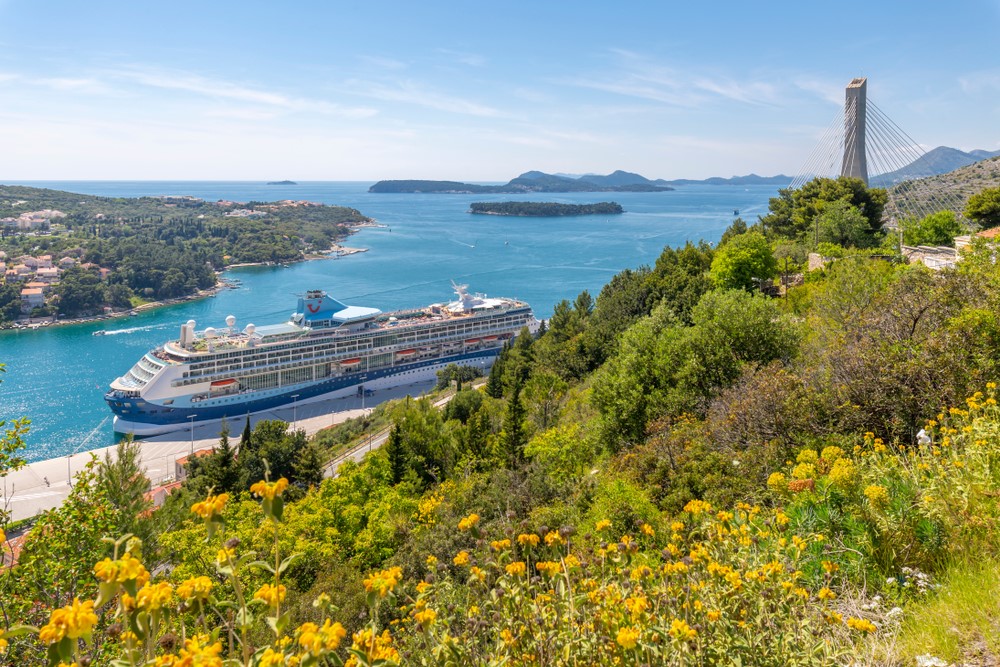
[[325, 350]]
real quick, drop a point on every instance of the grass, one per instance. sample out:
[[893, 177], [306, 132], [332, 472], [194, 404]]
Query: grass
[[960, 622]]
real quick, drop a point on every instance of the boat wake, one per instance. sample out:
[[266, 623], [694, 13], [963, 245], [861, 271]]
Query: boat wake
[[115, 332]]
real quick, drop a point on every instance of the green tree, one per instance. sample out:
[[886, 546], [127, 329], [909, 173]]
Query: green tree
[[939, 229], [792, 214], [395, 453], [513, 436], [745, 258], [984, 208], [122, 481], [843, 224]]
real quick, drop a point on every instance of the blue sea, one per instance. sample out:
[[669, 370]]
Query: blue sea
[[57, 376]]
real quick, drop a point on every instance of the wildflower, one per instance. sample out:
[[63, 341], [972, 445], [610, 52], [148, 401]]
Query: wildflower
[[468, 522], [603, 524], [833, 618], [804, 471], [877, 495], [548, 568], [73, 621], [375, 647], [425, 617], [781, 518], [826, 594], [154, 597], [861, 625], [528, 539], [271, 658], [516, 569], [432, 560], [477, 572], [197, 651], [553, 538], [842, 473], [3, 642], [211, 507], [571, 561], [269, 490], [462, 558], [831, 453], [316, 640], [384, 581], [677, 526], [696, 507], [830, 566], [225, 555], [637, 605], [777, 482], [198, 588], [680, 630], [799, 485], [272, 595], [627, 638], [807, 456], [500, 545], [647, 530], [714, 615]]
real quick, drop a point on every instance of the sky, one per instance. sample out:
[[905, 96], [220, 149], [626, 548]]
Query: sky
[[470, 91]]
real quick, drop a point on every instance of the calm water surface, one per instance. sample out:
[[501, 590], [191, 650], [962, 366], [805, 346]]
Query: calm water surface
[[57, 376]]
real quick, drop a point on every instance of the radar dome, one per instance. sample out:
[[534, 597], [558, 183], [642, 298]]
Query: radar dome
[[210, 332], [250, 328], [191, 323], [230, 320]]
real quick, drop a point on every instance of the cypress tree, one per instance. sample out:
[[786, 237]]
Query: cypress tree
[[513, 437], [246, 442], [397, 457]]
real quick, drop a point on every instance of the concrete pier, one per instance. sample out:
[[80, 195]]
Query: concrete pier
[[43, 485]]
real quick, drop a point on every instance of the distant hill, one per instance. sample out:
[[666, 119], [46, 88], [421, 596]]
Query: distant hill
[[941, 160], [955, 186], [539, 181]]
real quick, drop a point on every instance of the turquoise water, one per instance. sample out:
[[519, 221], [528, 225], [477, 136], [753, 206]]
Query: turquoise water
[[57, 376]]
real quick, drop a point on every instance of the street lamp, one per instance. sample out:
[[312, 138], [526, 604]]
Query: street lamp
[[295, 398], [191, 417]]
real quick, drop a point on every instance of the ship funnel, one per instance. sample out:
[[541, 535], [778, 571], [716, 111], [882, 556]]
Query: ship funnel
[[187, 334]]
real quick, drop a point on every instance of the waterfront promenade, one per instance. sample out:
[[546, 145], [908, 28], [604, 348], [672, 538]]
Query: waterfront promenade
[[43, 485]]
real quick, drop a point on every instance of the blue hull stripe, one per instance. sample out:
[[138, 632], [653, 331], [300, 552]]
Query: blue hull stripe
[[159, 415]]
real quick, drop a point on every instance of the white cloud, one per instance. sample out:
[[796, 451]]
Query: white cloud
[[411, 92], [470, 59]]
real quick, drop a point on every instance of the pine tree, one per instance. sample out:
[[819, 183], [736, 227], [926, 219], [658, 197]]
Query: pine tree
[[308, 466], [246, 440], [225, 474], [494, 386]]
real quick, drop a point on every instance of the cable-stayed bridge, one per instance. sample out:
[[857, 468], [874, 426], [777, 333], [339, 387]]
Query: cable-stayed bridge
[[864, 142]]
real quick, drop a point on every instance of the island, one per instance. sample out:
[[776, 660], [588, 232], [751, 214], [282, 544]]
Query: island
[[530, 181], [544, 209], [73, 255], [282, 183]]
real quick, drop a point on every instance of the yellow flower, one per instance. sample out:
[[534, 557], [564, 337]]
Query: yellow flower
[[272, 595], [516, 569], [316, 640], [833, 618], [225, 555], [478, 573], [548, 568], [269, 490], [197, 651], [636, 605], [198, 588], [211, 506], [3, 642], [499, 545], [432, 561], [842, 473], [107, 570], [462, 558], [422, 587], [468, 522], [553, 538], [777, 482], [384, 582], [375, 647], [647, 530], [425, 617], [627, 638], [696, 507], [154, 597], [807, 456], [603, 524], [73, 621], [830, 566], [826, 594], [804, 471], [877, 495], [528, 539], [679, 629], [713, 615], [861, 625], [271, 658], [831, 453], [571, 561]]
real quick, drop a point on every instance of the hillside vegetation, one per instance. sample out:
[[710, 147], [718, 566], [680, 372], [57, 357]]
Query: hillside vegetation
[[681, 471]]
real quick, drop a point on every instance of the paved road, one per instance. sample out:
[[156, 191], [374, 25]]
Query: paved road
[[43, 485]]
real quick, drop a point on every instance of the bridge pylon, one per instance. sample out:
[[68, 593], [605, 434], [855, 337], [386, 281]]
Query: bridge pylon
[[855, 163]]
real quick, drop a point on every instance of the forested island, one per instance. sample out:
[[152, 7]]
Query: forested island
[[543, 209], [78, 254], [531, 181], [282, 183], [683, 470]]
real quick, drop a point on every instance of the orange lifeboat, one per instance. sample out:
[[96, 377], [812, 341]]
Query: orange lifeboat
[[224, 384], [489, 339], [350, 362], [472, 341], [405, 353]]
